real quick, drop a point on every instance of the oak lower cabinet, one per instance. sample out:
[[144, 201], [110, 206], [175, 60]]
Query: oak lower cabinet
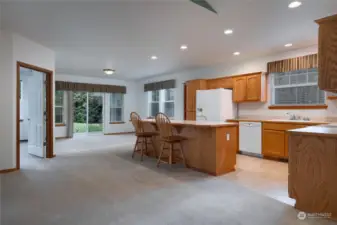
[[273, 143], [275, 137]]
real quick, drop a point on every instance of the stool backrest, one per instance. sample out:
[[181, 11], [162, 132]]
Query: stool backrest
[[164, 125], [136, 122]]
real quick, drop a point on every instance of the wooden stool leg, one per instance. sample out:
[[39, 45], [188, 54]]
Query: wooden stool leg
[[161, 153], [146, 145], [135, 148], [170, 155], [154, 147], [182, 153], [142, 149]]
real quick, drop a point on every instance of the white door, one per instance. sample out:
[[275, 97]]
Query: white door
[[36, 127]]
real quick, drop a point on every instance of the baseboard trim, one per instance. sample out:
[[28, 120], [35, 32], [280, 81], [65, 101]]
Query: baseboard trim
[[118, 133], [60, 138], [8, 170]]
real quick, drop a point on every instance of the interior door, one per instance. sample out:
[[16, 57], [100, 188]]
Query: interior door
[[36, 127]]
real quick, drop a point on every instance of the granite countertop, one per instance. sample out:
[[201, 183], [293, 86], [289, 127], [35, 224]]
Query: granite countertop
[[197, 123]]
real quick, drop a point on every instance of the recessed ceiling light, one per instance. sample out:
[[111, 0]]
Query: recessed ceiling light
[[294, 4], [154, 57], [109, 71], [288, 45], [228, 31], [236, 53], [183, 47]]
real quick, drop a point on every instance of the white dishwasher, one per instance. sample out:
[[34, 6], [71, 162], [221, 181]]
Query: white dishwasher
[[250, 137]]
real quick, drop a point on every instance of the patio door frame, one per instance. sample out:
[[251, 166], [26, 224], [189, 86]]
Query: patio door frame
[[87, 115]]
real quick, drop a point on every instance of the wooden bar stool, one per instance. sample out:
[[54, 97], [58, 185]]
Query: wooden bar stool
[[142, 136], [168, 139]]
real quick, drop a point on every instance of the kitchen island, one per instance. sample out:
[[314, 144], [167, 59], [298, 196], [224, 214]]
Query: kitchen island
[[210, 147], [312, 169]]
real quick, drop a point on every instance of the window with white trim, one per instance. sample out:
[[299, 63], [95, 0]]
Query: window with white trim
[[116, 107], [161, 101], [59, 107], [296, 88]]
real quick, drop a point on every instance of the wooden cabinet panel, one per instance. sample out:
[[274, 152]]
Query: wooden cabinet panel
[[190, 115], [273, 143], [253, 88], [212, 84], [327, 48], [284, 126], [226, 82], [239, 89], [191, 92]]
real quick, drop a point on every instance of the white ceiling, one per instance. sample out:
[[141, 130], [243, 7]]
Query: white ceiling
[[88, 36]]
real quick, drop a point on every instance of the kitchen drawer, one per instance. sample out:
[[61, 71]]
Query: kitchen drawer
[[282, 126]]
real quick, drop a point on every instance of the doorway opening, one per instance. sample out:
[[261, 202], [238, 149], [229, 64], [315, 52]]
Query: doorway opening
[[34, 118], [88, 112]]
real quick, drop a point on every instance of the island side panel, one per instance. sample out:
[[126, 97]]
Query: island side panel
[[226, 149], [312, 173], [200, 148]]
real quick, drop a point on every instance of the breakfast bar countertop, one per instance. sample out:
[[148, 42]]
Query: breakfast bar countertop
[[328, 130], [203, 123]]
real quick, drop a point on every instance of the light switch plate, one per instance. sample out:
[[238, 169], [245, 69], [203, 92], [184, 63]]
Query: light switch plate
[[228, 136]]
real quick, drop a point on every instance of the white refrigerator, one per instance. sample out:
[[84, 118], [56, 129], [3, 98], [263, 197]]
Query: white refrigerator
[[215, 105]]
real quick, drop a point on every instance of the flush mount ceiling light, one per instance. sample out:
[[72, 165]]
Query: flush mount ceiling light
[[228, 31], [154, 57], [294, 4], [183, 47], [236, 53], [109, 71], [288, 45]]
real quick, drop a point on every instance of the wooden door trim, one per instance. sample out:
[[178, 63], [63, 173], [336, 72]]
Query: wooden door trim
[[49, 110]]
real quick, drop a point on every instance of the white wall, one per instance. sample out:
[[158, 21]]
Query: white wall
[[15, 48], [7, 102], [130, 102], [245, 109]]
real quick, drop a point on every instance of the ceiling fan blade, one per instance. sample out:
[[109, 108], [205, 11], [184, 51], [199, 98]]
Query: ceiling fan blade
[[204, 4]]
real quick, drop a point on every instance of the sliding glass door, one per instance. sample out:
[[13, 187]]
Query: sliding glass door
[[95, 112], [88, 112]]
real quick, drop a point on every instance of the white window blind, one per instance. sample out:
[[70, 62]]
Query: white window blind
[[59, 107], [116, 107], [161, 101], [296, 88]]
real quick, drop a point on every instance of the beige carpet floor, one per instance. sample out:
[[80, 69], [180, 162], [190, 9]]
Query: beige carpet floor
[[94, 181]]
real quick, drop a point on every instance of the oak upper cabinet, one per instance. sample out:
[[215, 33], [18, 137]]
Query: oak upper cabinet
[[239, 89], [327, 48], [250, 88], [225, 82], [191, 93], [253, 88]]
